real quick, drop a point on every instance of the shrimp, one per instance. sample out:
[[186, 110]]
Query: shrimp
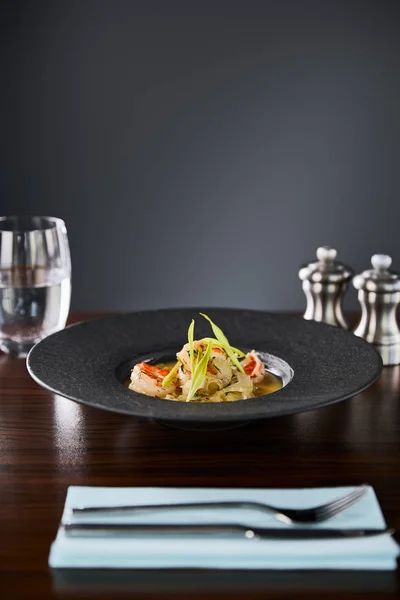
[[147, 379], [253, 366], [219, 370]]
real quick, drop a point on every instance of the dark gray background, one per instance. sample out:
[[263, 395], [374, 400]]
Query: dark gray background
[[200, 151]]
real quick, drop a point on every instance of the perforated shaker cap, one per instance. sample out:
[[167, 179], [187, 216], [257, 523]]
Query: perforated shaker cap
[[378, 279], [326, 269]]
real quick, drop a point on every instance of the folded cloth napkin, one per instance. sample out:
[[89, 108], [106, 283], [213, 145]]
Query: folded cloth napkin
[[213, 552]]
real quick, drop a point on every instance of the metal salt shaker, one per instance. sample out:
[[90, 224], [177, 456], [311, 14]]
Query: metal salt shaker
[[325, 283], [379, 295]]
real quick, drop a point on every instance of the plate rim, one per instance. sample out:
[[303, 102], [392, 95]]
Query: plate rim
[[203, 417]]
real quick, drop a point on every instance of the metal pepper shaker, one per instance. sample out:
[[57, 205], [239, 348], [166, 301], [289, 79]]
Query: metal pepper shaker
[[379, 295], [325, 283]]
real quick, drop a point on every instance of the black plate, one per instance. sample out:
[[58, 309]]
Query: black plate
[[88, 363]]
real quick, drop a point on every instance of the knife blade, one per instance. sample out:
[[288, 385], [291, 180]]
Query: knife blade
[[278, 533]]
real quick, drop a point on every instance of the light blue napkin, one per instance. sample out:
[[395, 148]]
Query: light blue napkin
[[375, 553]]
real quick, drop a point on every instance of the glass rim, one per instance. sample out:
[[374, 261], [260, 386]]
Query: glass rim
[[53, 221]]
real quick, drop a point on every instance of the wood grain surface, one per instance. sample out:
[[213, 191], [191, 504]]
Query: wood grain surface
[[48, 443]]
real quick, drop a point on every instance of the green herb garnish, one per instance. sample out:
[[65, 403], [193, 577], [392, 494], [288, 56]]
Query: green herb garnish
[[199, 373], [223, 340], [171, 375], [190, 338]]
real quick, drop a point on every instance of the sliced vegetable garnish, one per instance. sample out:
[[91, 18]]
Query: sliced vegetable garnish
[[199, 373], [191, 346], [221, 337], [171, 375]]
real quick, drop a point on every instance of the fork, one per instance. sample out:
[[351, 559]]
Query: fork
[[315, 514]]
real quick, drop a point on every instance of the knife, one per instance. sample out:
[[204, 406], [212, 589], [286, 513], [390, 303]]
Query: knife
[[260, 533]]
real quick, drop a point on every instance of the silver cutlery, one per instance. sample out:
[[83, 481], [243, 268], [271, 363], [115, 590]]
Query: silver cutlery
[[315, 514], [259, 533]]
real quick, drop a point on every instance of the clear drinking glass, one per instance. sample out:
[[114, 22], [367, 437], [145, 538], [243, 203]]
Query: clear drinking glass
[[35, 281]]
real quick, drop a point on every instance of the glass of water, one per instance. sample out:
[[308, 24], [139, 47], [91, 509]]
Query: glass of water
[[35, 281]]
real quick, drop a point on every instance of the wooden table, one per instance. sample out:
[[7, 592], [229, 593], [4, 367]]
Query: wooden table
[[48, 443]]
